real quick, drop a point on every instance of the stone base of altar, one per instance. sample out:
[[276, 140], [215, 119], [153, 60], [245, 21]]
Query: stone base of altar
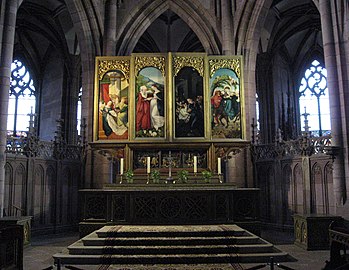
[[170, 204]]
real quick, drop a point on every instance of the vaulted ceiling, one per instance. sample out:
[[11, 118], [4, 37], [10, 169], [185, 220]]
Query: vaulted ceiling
[[41, 28], [292, 29]]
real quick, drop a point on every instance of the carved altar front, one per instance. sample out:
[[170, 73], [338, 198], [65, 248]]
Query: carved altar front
[[169, 204]]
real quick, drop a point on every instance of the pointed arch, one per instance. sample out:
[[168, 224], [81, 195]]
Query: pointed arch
[[316, 190], [287, 194], [298, 188], [19, 188], [248, 21], [50, 191], [39, 196], [328, 188], [65, 196], [139, 20], [8, 191]]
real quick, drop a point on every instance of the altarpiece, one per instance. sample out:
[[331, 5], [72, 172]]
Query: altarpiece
[[178, 104]]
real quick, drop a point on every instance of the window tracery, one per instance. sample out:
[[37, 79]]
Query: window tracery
[[314, 100], [22, 99], [78, 118]]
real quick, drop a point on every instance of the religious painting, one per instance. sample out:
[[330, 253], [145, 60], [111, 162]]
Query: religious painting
[[189, 120], [225, 100], [113, 106], [149, 103]]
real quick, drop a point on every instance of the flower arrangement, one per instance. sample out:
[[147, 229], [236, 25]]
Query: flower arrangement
[[129, 176], [183, 176], [150, 132], [207, 175], [155, 176]]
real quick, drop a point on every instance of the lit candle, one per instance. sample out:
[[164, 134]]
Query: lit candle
[[148, 164], [219, 165], [195, 164], [121, 166]]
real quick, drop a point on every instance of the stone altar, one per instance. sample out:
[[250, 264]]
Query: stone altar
[[169, 204]]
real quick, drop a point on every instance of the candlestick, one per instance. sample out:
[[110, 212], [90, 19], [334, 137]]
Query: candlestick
[[195, 164], [169, 159], [121, 166], [169, 165], [219, 165], [148, 178], [148, 165], [220, 178]]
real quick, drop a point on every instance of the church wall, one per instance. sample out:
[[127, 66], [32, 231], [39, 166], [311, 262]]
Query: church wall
[[45, 189], [51, 97], [102, 171], [239, 171]]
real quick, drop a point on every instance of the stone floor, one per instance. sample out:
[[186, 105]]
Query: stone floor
[[39, 254]]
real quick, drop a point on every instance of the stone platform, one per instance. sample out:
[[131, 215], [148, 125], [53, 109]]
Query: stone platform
[[178, 245]]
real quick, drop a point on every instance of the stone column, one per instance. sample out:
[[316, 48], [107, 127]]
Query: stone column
[[109, 38], [265, 86], [227, 28], [335, 41], [8, 18], [71, 132]]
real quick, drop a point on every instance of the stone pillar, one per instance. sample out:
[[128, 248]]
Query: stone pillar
[[265, 86], [334, 31], [227, 28], [109, 38], [71, 132], [8, 18]]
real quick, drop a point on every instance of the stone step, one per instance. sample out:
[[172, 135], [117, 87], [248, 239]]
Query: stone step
[[170, 241], [171, 231], [170, 259], [79, 248], [155, 245]]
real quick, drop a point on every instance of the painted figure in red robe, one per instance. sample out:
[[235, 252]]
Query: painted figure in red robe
[[143, 110]]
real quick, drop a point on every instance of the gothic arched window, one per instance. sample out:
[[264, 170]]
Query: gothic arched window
[[78, 126], [21, 101], [313, 96], [257, 113]]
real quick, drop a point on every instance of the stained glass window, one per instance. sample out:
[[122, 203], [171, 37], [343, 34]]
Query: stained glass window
[[22, 100], [314, 100], [78, 127]]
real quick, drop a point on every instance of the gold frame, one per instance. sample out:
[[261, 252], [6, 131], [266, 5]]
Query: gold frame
[[140, 61], [169, 64], [103, 65], [198, 62], [234, 63]]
